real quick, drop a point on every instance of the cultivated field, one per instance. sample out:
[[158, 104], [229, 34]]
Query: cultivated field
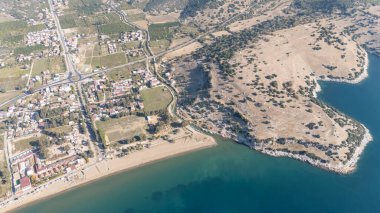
[[53, 65], [162, 31], [109, 60]]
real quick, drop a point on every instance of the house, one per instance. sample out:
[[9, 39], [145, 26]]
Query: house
[[154, 82]]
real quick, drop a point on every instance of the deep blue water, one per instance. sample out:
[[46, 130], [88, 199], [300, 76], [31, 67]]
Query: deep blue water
[[232, 178]]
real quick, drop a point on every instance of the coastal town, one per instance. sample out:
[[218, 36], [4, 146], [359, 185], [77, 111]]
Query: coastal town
[[89, 88], [65, 122]]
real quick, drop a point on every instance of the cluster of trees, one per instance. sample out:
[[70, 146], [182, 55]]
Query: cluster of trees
[[47, 112], [61, 120], [55, 117], [324, 6], [43, 144], [122, 102], [139, 137], [55, 134], [82, 126], [129, 149], [165, 4], [87, 154], [162, 124], [4, 175], [87, 7], [194, 6]]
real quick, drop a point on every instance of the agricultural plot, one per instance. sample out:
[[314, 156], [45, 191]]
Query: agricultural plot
[[135, 17], [114, 26], [26, 50], [123, 73], [17, 27], [120, 74], [67, 21], [114, 130], [127, 6], [131, 45], [14, 31], [109, 60], [114, 29], [85, 7], [161, 19], [53, 65], [113, 18], [159, 45], [156, 99], [96, 19], [135, 58], [13, 78], [163, 31]]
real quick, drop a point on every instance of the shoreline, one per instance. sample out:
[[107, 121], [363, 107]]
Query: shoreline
[[351, 165], [357, 80], [340, 168], [108, 168], [347, 168]]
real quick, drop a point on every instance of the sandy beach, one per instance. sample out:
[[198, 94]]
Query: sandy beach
[[159, 150]]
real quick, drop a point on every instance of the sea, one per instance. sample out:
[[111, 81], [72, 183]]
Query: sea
[[233, 178]]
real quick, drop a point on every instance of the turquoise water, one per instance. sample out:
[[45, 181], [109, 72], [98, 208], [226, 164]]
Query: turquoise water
[[232, 178]]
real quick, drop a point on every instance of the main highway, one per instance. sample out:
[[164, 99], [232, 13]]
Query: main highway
[[72, 72]]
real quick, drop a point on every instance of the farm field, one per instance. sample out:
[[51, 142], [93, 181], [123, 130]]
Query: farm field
[[67, 21], [124, 72], [114, 29], [159, 45], [53, 64], [12, 31], [163, 18], [163, 31], [13, 78], [119, 74], [109, 60], [135, 17]]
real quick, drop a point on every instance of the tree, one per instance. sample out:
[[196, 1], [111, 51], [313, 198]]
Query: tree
[[44, 152], [33, 179], [90, 154], [185, 123], [66, 148]]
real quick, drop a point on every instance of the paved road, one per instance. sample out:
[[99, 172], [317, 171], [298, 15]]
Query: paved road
[[72, 72]]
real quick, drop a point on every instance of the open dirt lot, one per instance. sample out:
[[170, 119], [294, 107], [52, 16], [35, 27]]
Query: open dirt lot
[[123, 128]]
